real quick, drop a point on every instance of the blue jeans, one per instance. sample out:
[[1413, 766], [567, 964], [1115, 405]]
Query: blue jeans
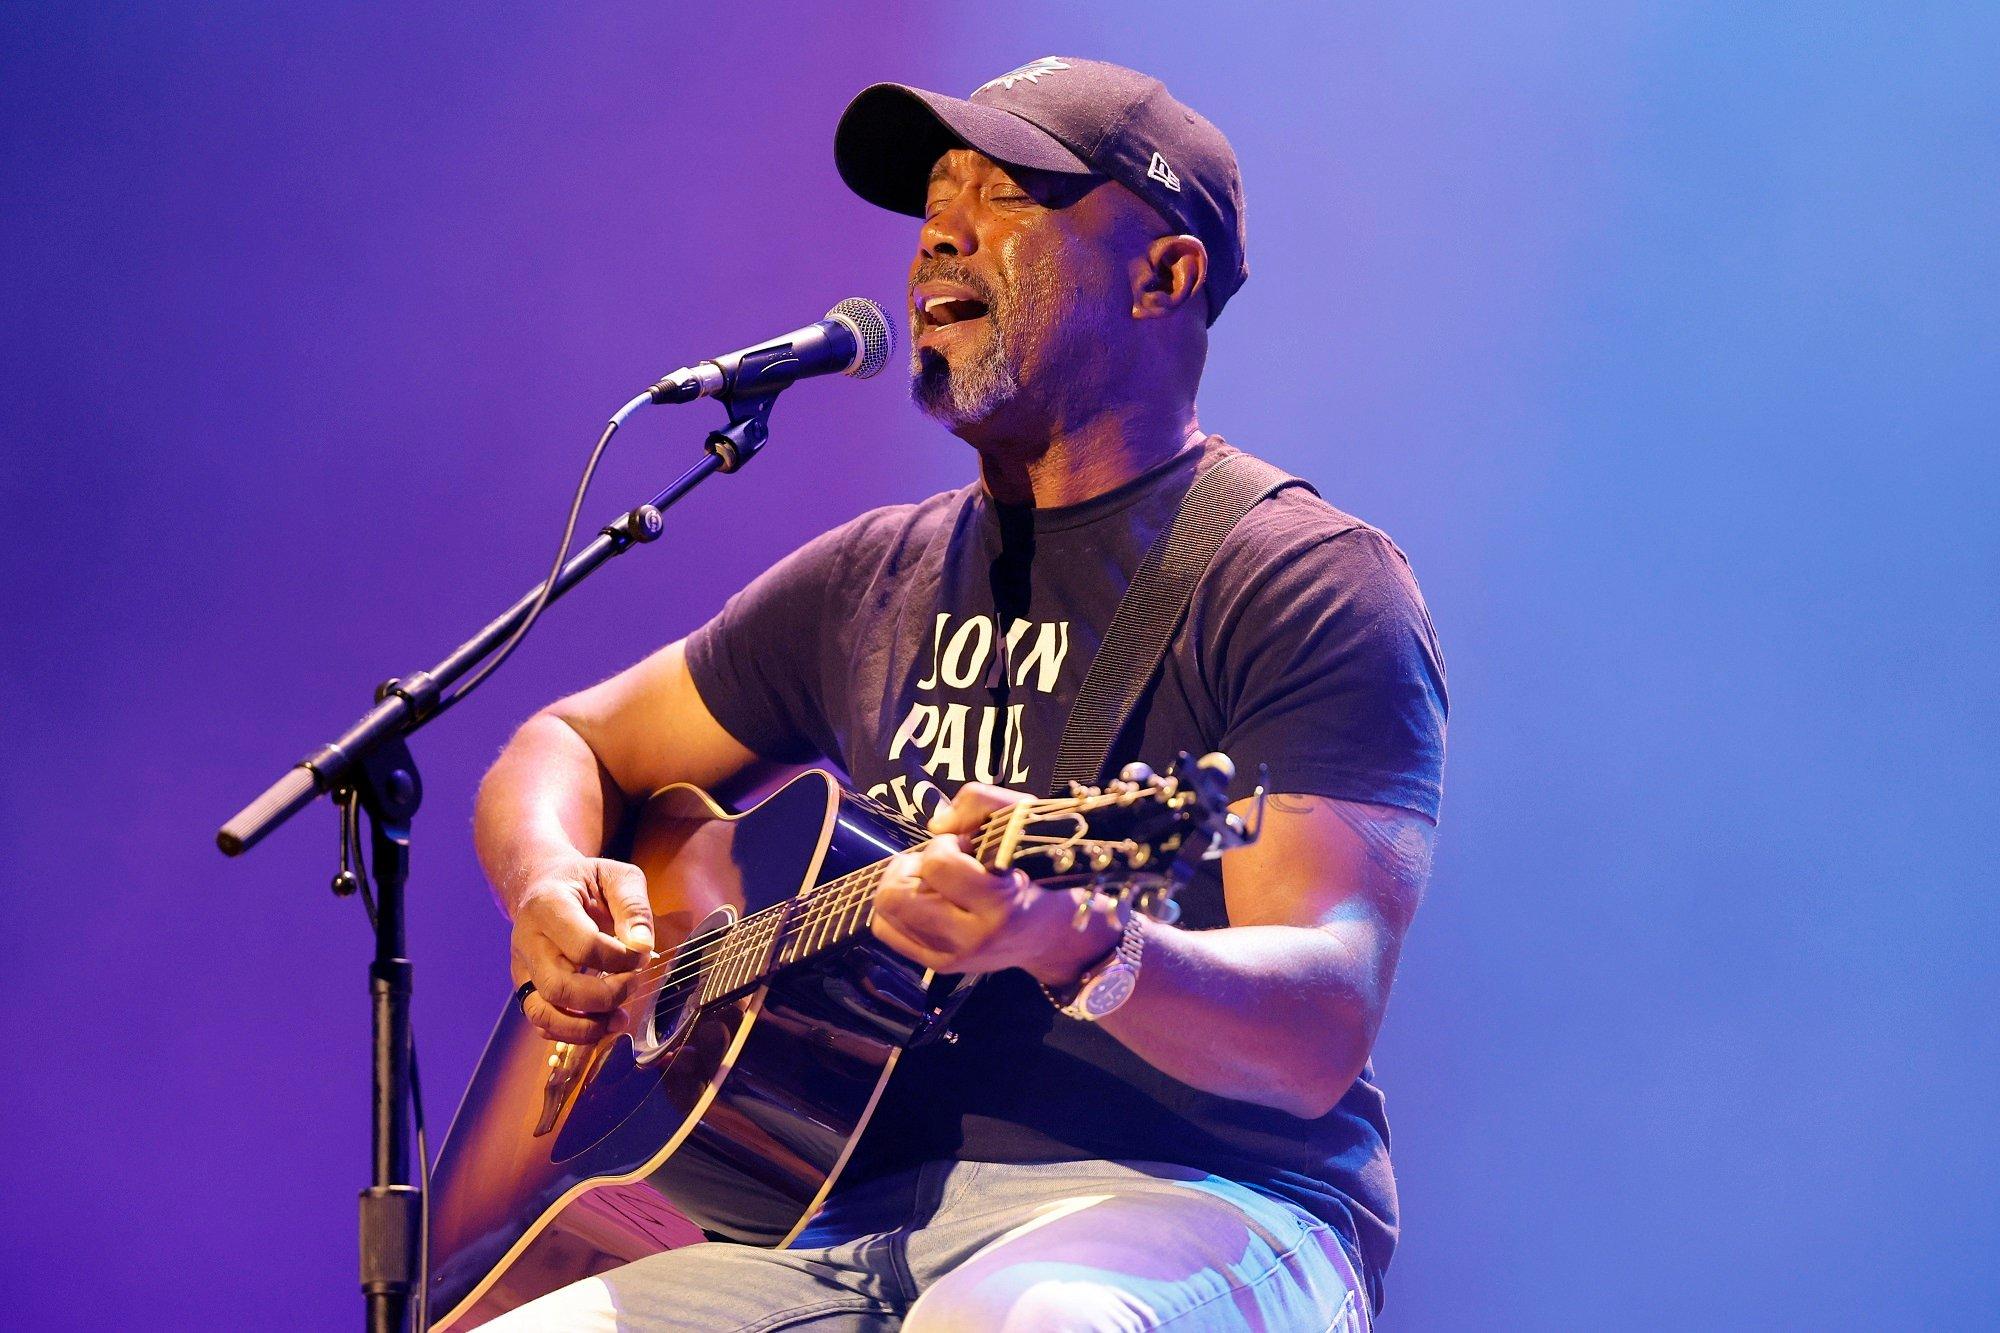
[[966, 1247]]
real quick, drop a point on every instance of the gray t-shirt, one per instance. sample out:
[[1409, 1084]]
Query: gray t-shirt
[[921, 646]]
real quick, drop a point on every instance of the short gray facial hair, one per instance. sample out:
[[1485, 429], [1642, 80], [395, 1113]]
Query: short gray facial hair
[[969, 392]]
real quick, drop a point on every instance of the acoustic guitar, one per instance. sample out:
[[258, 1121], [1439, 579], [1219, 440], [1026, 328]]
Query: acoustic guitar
[[752, 1051]]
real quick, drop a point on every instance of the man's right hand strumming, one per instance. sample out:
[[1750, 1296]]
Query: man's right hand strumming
[[581, 928], [583, 923]]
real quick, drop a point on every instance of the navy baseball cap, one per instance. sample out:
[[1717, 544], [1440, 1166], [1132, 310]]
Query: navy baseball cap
[[1064, 115]]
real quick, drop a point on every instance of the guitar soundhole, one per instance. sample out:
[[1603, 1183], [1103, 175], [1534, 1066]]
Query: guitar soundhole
[[672, 1011]]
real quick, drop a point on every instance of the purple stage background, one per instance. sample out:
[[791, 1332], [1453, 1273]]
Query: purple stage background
[[1663, 337]]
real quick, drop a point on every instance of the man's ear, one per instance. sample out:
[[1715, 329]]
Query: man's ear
[[1170, 274]]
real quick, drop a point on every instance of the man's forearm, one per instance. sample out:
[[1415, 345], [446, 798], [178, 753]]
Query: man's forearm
[[1280, 1010], [545, 799], [1283, 1016]]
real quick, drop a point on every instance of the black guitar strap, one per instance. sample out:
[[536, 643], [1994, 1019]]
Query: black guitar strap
[[1136, 643]]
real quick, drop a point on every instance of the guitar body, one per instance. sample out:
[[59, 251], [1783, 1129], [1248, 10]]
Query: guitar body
[[728, 1120]]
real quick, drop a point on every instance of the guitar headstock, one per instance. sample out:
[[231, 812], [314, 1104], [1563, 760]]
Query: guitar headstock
[[1139, 837]]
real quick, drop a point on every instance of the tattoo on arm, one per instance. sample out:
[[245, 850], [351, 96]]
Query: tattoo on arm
[[1397, 841]]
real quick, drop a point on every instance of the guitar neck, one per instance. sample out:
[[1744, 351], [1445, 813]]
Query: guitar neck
[[829, 915]]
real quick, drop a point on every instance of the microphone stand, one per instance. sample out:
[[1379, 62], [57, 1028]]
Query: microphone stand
[[371, 761]]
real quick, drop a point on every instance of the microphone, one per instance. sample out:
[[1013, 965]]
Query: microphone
[[855, 338]]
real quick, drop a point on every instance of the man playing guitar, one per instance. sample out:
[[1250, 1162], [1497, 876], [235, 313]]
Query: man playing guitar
[[1140, 1124]]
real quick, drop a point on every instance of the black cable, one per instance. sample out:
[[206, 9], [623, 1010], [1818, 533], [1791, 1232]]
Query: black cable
[[548, 585], [351, 849], [354, 871], [352, 852], [423, 1301]]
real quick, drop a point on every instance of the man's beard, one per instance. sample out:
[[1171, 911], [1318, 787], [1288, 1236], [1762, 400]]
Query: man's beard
[[983, 381], [967, 393]]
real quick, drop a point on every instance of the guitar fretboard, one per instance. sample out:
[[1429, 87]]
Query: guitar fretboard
[[829, 915]]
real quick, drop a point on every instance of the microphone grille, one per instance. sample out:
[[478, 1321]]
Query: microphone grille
[[872, 330]]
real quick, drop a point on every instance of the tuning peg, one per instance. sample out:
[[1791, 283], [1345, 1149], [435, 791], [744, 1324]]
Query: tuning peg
[[1218, 763], [1136, 773], [1100, 856], [1255, 830], [1063, 859]]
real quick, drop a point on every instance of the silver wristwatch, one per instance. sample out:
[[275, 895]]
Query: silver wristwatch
[[1108, 983]]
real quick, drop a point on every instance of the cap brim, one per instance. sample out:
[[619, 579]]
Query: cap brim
[[891, 135]]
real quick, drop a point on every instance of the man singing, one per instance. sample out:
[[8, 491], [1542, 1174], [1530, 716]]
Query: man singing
[[1211, 1152]]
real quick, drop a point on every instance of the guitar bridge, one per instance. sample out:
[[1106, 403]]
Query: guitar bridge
[[565, 1063]]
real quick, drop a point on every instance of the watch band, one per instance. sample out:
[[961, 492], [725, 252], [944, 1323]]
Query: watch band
[[1123, 959]]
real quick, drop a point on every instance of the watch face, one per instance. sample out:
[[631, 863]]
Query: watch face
[[1108, 991]]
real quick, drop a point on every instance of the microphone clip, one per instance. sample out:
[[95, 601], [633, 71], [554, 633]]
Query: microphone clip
[[749, 426]]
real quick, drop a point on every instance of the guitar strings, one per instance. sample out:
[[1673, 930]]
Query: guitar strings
[[824, 905], [836, 899], [833, 901], [829, 903]]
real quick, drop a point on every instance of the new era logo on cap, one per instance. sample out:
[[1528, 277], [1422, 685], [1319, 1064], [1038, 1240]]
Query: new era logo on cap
[[1032, 72], [1164, 174]]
